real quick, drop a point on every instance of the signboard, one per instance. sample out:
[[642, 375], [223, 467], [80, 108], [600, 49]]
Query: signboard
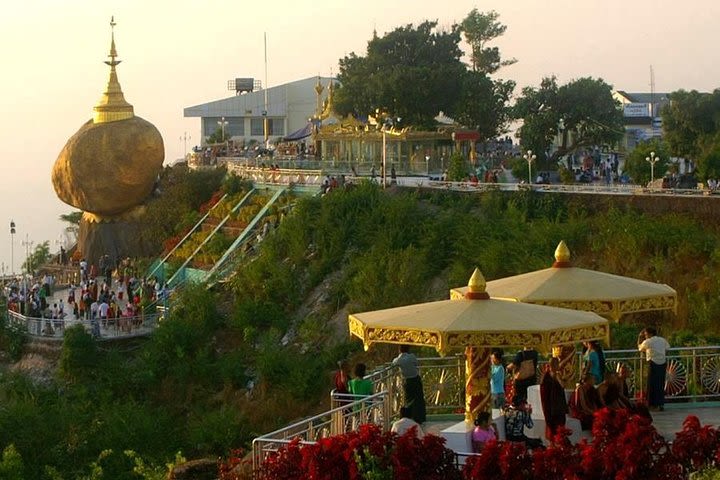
[[636, 110]]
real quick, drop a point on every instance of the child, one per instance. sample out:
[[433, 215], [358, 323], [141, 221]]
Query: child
[[484, 432], [497, 380]]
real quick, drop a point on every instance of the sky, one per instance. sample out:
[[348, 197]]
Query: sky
[[181, 53]]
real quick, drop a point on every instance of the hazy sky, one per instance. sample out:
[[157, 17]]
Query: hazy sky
[[181, 53]]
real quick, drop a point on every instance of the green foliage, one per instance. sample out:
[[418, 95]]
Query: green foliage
[[38, 257], [479, 29], [584, 107], [623, 336], [233, 184], [411, 72], [638, 168], [11, 466], [13, 337], [483, 104], [79, 354], [458, 168]]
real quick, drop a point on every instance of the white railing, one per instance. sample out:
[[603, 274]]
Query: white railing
[[351, 412], [54, 328]]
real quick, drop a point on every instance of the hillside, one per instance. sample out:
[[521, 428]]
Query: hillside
[[257, 352]]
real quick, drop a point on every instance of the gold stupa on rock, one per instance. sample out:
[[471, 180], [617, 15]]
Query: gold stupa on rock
[[109, 167]]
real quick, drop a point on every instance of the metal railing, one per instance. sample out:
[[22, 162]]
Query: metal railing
[[110, 328], [351, 412], [693, 374]]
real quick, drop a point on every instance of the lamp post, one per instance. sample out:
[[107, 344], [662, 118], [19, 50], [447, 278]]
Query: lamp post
[[12, 247], [529, 157], [184, 139], [223, 123], [652, 159]]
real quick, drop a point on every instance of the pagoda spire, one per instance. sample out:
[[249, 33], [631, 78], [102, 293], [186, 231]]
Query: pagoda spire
[[112, 105]]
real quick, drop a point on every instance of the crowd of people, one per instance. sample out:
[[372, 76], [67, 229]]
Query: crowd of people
[[598, 388]]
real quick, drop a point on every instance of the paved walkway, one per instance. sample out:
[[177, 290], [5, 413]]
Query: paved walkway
[[668, 423]]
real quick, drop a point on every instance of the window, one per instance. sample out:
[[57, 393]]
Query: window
[[276, 126]]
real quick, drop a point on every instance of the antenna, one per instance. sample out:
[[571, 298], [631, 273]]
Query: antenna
[[652, 92], [265, 112]]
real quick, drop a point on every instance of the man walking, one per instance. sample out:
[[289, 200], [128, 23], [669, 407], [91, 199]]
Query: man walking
[[655, 348]]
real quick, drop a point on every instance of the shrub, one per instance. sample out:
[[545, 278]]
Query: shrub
[[79, 354]]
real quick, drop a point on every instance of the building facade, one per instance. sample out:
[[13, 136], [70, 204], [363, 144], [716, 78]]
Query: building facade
[[289, 107]]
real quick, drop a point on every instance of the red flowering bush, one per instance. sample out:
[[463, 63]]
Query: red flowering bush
[[625, 446], [696, 446], [366, 453]]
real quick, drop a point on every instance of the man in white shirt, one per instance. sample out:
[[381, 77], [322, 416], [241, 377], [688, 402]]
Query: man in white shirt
[[655, 348], [405, 423]]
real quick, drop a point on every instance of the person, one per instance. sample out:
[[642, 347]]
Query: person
[[360, 386], [393, 175], [483, 432], [594, 360], [414, 395], [611, 393], [552, 399], [517, 417], [585, 401], [655, 349], [524, 367], [341, 377], [405, 423], [497, 380]]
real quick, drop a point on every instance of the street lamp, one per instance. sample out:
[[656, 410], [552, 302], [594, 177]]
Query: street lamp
[[652, 159], [223, 123], [12, 247], [184, 139], [529, 157]]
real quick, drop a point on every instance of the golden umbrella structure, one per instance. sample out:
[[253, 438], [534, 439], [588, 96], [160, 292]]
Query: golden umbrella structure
[[565, 286], [477, 323]]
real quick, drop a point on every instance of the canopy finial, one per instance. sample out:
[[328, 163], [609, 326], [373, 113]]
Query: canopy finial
[[562, 255], [476, 286]]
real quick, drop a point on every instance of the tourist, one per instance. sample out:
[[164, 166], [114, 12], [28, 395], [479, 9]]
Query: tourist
[[406, 423], [594, 359], [524, 367], [655, 348], [552, 399], [611, 393], [360, 386], [414, 395], [517, 417], [585, 401], [483, 432], [393, 175], [341, 378], [497, 380]]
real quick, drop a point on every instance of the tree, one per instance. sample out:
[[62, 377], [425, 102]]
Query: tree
[[38, 257], [691, 125], [411, 73], [482, 105], [479, 29], [639, 169], [73, 219], [458, 169], [583, 110]]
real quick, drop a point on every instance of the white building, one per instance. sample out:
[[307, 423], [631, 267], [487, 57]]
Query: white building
[[641, 114], [289, 106]]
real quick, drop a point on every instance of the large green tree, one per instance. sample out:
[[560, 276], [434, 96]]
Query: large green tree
[[479, 28], [691, 124], [639, 169], [583, 111], [411, 73], [37, 257], [483, 104]]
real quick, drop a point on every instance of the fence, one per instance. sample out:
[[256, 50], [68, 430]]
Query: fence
[[110, 328], [693, 374], [348, 415]]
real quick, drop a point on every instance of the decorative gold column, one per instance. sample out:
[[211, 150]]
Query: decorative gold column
[[477, 381], [567, 373]]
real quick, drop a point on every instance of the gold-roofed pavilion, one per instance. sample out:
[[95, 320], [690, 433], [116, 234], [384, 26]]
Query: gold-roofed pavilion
[[565, 286], [477, 324]]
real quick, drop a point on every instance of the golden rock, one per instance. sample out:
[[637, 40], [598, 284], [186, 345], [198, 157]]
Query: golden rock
[[109, 168]]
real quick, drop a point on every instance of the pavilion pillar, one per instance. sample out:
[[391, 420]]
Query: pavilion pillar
[[567, 355], [477, 381]]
